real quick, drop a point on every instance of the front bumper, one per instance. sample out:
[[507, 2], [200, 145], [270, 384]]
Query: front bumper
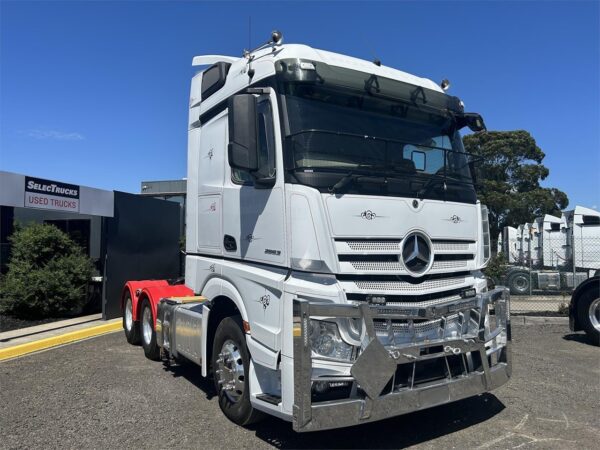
[[485, 354]]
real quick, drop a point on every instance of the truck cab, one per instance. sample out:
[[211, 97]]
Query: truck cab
[[332, 217]]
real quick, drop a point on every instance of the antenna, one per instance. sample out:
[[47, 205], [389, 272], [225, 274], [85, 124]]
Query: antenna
[[376, 60], [249, 32]]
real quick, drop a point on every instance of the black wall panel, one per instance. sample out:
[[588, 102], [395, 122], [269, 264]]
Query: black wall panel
[[142, 242]]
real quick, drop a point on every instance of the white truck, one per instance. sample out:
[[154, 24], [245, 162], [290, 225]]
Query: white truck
[[551, 253], [334, 244]]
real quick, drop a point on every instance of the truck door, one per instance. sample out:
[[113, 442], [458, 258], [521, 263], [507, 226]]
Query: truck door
[[254, 217]]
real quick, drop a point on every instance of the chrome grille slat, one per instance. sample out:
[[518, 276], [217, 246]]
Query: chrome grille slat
[[398, 332], [425, 303], [365, 246], [392, 246], [404, 286], [398, 267], [451, 246]]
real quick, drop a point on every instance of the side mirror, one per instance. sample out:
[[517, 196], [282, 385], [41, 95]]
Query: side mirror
[[243, 133], [472, 120]]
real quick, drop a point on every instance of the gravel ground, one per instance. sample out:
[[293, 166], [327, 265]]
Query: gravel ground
[[103, 393]]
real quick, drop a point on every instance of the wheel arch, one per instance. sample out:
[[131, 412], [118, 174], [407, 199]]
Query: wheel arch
[[221, 308], [134, 289], [218, 287]]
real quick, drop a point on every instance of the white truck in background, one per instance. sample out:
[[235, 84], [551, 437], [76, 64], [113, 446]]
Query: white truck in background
[[334, 244], [552, 253]]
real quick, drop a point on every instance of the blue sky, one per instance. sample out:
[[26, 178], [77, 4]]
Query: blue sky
[[96, 93]]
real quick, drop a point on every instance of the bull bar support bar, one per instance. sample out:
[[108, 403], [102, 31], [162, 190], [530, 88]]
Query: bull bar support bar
[[376, 362]]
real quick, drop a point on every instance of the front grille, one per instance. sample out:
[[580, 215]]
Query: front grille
[[415, 301], [393, 332], [394, 245], [383, 256], [404, 286], [398, 267]]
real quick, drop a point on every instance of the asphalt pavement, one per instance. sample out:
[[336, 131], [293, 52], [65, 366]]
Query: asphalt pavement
[[103, 393]]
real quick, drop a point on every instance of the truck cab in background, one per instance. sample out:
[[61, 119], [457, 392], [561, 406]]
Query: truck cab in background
[[562, 252], [334, 244]]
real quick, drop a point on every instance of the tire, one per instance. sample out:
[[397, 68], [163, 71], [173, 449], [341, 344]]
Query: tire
[[588, 313], [130, 326], [231, 363], [519, 283], [148, 333]]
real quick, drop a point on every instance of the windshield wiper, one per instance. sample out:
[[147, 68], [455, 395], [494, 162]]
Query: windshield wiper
[[342, 182], [354, 174]]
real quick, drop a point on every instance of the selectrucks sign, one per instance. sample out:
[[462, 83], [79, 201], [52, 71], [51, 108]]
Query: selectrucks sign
[[46, 194]]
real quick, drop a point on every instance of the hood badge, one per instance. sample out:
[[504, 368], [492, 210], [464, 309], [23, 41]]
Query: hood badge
[[368, 214], [454, 219], [416, 254]]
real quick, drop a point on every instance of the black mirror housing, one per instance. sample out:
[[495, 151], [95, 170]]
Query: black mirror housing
[[243, 132], [472, 120]]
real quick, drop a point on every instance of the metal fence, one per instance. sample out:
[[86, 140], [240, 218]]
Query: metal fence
[[543, 271]]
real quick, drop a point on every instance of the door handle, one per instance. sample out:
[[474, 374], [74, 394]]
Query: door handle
[[229, 243]]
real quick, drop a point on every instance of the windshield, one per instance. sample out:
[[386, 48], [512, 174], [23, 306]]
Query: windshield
[[346, 138]]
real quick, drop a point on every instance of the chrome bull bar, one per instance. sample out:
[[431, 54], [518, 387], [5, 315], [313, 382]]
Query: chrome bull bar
[[376, 364]]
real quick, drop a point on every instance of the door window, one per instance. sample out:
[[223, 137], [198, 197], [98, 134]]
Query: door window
[[266, 147]]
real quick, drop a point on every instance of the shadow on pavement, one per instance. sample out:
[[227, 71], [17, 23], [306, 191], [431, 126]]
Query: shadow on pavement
[[579, 337], [191, 372], [397, 432]]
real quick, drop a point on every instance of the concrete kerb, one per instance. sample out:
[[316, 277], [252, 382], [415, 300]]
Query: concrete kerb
[[539, 320], [43, 341]]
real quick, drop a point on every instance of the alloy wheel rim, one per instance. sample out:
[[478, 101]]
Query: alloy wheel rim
[[230, 372], [594, 314], [128, 315], [147, 325]]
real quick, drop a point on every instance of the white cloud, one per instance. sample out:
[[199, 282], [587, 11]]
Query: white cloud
[[56, 135]]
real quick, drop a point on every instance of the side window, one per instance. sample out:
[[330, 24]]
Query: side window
[[266, 147]]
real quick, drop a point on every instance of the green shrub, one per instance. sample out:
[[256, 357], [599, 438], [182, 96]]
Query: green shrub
[[47, 274], [497, 268]]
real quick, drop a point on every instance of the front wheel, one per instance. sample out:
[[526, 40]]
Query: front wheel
[[231, 363], [588, 310], [151, 349]]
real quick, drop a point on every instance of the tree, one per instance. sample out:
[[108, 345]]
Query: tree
[[47, 274], [509, 178]]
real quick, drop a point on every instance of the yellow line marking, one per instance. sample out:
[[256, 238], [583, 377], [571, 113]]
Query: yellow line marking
[[53, 341]]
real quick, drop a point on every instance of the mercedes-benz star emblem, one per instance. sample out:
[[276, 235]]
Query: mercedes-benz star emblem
[[416, 253]]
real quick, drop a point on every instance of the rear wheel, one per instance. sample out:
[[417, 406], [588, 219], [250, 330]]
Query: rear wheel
[[588, 311], [151, 349], [519, 283], [231, 363], [131, 327]]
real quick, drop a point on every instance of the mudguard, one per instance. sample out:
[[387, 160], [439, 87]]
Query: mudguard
[[153, 290]]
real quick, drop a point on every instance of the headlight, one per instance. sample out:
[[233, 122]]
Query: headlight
[[325, 340]]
